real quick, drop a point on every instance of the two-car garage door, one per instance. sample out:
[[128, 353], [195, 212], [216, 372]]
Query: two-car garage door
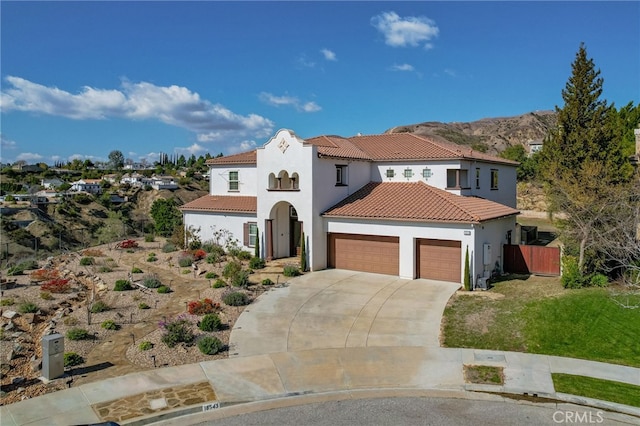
[[435, 259]]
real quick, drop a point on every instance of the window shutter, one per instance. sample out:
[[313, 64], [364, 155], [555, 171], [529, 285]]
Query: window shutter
[[245, 229]]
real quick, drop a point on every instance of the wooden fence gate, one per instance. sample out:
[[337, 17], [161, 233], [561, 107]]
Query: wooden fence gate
[[524, 259]]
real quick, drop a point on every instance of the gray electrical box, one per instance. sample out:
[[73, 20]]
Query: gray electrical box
[[52, 356]]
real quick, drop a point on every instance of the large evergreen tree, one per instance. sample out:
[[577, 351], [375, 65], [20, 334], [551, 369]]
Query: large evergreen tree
[[582, 158], [166, 216]]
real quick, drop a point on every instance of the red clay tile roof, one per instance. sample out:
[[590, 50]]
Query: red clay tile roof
[[223, 204], [416, 201], [397, 146], [241, 158]]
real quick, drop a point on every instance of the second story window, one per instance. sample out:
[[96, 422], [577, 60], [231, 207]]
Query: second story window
[[390, 173], [408, 173], [341, 175], [478, 178], [426, 173], [457, 178], [234, 183], [494, 178]]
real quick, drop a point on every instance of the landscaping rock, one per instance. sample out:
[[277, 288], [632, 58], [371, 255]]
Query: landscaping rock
[[10, 314]]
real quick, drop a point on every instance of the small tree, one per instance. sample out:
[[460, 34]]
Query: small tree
[[303, 254], [467, 277], [257, 244]]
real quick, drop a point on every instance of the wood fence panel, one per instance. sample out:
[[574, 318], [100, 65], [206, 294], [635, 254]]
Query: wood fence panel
[[525, 259]]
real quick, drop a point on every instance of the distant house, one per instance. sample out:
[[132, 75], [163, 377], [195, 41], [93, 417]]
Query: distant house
[[133, 179], [27, 168], [51, 183], [534, 146], [48, 194], [163, 182], [111, 178], [92, 186]]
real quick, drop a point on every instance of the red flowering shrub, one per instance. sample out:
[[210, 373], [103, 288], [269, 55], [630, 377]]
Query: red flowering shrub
[[202, 307], [126, 244], [57, 285], [43, 275], [199, 254]]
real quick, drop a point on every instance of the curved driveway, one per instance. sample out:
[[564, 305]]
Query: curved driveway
[[342, 309]]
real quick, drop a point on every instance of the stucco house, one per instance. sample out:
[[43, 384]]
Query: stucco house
[[397, 204], [92, 186]]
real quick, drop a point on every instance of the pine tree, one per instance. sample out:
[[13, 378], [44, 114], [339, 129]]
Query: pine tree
[[582, 158], [256, 248], [303, 254], [467, 277]]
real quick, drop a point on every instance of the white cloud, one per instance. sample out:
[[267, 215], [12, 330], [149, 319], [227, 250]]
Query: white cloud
[[286, 100], [194, 149], [29, 156], [328, 55], [243, 146], [407, 31], [402, 67], [173, 105], [6, 143], [303, 62]]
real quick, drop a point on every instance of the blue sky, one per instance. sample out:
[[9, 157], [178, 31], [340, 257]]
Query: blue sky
[[80, 79]]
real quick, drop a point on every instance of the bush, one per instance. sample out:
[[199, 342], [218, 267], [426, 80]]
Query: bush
[[599, 280], [256, 263], [149, 238], [219, 283], [57, 286], [291, 271], [136, 270], [44, 275], [168, 248], [177, 331], [236, 298], [109, 325], [93, 253], [28, 308], [185, 260], [122, 285], [72, 359], [244, 255], [210, 322], [163, 289], [571, 276], [21, 267], [70, 321], [145, 346], [210, 345], [151, 281], [202, 307], [240, 279], [99, 306], [213, 258], [105, 269], [267, 281], [143, 305], [199, 254], [230, 269], [152, 257], [77, 334], [210, 275], [86, 261], [45, 295], [7, 302]]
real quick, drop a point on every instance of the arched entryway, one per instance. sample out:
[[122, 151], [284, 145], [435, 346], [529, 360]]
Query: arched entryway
[[282, 231]]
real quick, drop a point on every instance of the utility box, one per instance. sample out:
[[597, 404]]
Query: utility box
[[486, 254], [52, 356]]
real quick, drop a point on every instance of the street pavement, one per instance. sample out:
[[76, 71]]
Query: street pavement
[[329, 333]]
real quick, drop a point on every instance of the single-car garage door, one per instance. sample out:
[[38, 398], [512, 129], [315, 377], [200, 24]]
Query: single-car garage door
[[366, 253], [439, 259]]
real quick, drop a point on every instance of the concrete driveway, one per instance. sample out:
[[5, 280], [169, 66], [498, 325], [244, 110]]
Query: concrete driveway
[[340, 309]]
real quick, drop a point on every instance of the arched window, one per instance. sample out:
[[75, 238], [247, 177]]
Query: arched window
[[273, 182], [295, 181], [285, 182]]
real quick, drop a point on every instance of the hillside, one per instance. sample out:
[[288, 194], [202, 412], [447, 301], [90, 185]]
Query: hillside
[[492, 135]]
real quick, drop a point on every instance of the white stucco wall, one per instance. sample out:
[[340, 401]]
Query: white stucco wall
[[219, 180], [208, 223], [492, 232]]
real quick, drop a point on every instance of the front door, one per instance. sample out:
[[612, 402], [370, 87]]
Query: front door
[[296, 229]]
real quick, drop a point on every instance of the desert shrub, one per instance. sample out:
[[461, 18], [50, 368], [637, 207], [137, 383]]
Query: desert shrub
[[240, 279], [136, 270], [177, 331], [7, 301], [86, 261], [151, 257], [70, 321], [58, 286], [210, 322], [77, 334], [235, 298], [571, 276], [93, 253], [213, 258], [122, 285], [82, 198], [105, 269], [210, 275], [151, 281], [230, 269], [256, 263], [291, 271], [267, 281], [45, 295], [109, 325], [99, 306], [202, 307], [199, 254], [219, 283], [185, 271], [185, 260], [27, 308], [599, 280], [143, 305], [145, 345], [21, 267], [244, 255], [210, 345], [163, 289], [149, 238], [72, 359], [212, 247], [168, 248], [44, 275]]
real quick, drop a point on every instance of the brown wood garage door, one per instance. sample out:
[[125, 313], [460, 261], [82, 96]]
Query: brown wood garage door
[[366, 253], [439, 260]]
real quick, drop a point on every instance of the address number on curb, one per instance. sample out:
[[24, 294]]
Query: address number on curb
[[211, 406]]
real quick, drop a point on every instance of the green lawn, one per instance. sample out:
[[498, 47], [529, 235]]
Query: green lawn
[[606, 390], [536, 315]]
